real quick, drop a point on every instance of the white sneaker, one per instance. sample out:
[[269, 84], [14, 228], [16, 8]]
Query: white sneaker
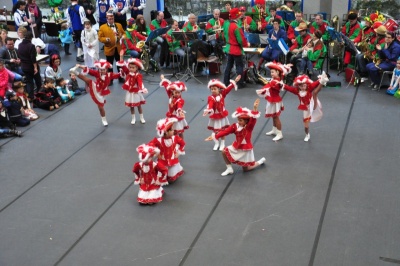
[[261, 161], [228, 171], [133, 121], [272, 132], [278, 136], [307, 138], [216, 145]]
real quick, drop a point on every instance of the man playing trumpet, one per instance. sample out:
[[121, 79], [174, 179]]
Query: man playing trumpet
[[259, 14], [191, 25], [214, 26], [270, 19], [175, 46], [246, 22]]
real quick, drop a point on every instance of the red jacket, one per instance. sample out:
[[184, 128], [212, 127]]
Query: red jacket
[[304, 101]]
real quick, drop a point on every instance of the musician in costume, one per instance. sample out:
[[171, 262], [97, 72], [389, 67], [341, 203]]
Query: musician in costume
[[352, 30], [259, 14], [314, 55], [300, 42], [20, 18], [269, 53], [235, 42], [270, 19], [388, 54], [129, 44], [137, 7], [228, 7], [291, 33], [246, 22], [369, 54], [102, 7], [320, 24], [76, 18], [175, 46], [191, 24], [291, 5], [214, 26]]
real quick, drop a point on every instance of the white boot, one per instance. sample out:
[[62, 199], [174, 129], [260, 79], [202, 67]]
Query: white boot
[[222, 145], [278, 136], [307, 138], [104, 121], [133, 121], [261, 161], [228, 171], [216, 145], [272, 132], [142, 119]]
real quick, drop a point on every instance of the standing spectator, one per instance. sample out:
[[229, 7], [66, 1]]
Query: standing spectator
[[20, 17], [34, 13], [89, 10], [102, 7], [90, 44], [75, 19], [137, 7], [27, 55], [65, 36], [110, 34], [120, 10], [235, 42]]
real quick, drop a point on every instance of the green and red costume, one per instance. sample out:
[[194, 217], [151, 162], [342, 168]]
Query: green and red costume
[[235, 40], [291, 33], [323, 28], [155, 24], [211, 23], [353, 32]]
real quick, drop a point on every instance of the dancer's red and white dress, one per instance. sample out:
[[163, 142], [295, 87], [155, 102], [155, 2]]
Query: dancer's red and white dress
[[274, 101], [307, 102], [241, 150], [170, 150], [134, 87], [175, 104], [150, 176], [99, 88], [216, 107]]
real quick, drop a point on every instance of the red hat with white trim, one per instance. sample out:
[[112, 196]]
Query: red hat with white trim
[[136, 62], [283, 69], [216, 83], [177, 86], [245, 113], [146, 151], [164, 124], [302, 79], [102, 64]]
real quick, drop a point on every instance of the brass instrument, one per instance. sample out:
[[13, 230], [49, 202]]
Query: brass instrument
[[286, 8], [261, 79], [218, 25], [335, 23], [245, 24], [140, 44]]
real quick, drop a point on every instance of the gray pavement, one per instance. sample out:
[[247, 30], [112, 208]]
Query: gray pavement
[[67, 195]]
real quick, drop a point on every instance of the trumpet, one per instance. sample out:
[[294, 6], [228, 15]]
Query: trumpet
[[217, 25]]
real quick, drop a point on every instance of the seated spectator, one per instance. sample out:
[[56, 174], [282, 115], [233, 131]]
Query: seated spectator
[[10, 57], [48, 98], [3, 36], [7, 129], [53, 70], [14, 110], [74, 85], [313, 54], [6, 79], [62, 88], [27, 110]]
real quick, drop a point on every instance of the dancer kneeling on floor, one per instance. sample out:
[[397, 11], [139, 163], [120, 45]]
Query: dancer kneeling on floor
[[98, 89], [241, 151]]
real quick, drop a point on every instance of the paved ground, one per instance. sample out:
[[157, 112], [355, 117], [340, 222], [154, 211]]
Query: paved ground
[[67, 195]]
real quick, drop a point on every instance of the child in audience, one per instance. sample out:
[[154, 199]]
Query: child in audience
[[216, 108], [48, 98], [134, 87], [62, 88], [176, 103], [241, 150], [74, 85], [27, 111], [274, 101], [394, 83], [98, 89], [307, 91], [65, 36], [171, 147], [7, 128], [54, 70], [149, 175], [14, 110], [90, 44]]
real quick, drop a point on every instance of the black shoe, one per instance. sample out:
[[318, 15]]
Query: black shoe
[[121, 80], [68, 53], [111, 83], [80, 59]]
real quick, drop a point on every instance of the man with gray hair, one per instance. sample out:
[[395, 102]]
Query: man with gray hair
[[191, 25]]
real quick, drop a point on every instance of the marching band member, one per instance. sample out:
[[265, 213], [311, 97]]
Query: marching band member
[[228, 6], [246, 22], [158, 22], [175, 46], [270, 54], [235, 42], [368, 30], [388, 54], [270, 19], [291, 5], [321, 25], [214, 26], [352, 30], [191, 25], [260, 13], [314, 55], [291, 34], [128, 44], [300, 42], [120, 10]]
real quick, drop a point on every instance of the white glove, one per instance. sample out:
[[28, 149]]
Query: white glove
[[323, 78]]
